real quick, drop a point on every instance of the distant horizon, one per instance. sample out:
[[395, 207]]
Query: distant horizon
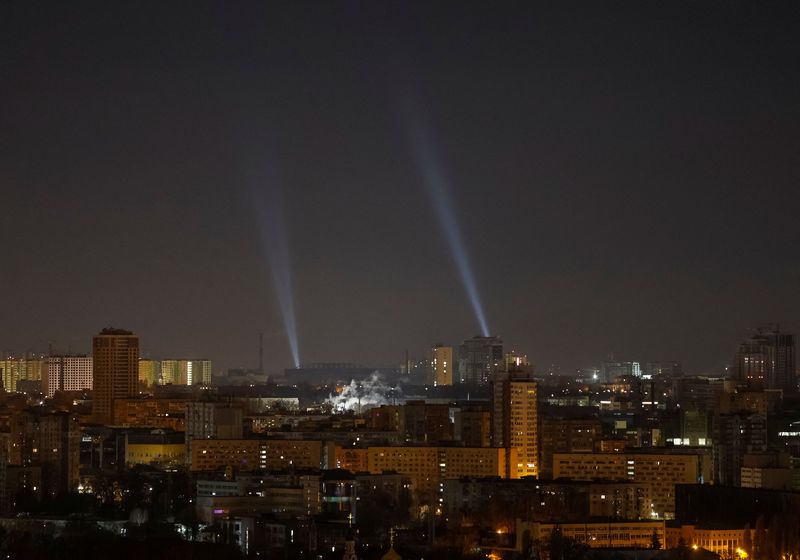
[[611, 357]]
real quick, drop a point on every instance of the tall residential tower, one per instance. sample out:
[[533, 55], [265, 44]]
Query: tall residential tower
[[479, 358], [116, 371], [441, 366], [515, 421], [767, 360]]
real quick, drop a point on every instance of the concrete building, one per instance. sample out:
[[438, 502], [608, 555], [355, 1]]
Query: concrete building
[[515, 422], [441, 366], [426, 467], [426, 422], [619, 534], [661, 471], [149, 372], [253, 454], [211, 420], [161, 413], [734, 435], [186, 372], [767, 360], [471, 500], [115, 371], [725, 541], [13, 370], [612, 370], [66, 373], [49, 441], [157, 448], [566, 430], [472, 426], [768, 470], [479, 358]]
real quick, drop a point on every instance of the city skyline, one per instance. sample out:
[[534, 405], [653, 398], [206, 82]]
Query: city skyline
[[639, 201]]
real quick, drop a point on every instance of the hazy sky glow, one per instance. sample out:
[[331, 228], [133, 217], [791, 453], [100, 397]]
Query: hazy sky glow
[[624, 177]]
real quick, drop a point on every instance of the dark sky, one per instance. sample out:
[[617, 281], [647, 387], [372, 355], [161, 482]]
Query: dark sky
[[626, 176]]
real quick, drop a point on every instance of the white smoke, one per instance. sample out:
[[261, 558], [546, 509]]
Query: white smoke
[[361, 395]]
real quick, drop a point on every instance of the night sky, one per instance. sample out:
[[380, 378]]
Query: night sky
[[626, 176]]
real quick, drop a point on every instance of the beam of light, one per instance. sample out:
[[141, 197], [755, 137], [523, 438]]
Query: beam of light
[[275, 241], [435, 180]]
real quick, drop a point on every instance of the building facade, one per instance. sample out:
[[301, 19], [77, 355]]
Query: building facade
[[186, 372], [515, 422], [661, 471], [66, 373], [115, 371], [50, 442], [767, 360], [441, 366], [479, 358]]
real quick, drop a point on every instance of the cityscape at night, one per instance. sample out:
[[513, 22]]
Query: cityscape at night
[[400, 280]]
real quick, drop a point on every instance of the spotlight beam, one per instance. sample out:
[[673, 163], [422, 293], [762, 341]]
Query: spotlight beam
[[275, 243], [437, 185]]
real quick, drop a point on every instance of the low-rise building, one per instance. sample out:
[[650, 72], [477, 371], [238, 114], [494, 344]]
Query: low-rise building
[[725, 541], [157, 448], [617, 534]]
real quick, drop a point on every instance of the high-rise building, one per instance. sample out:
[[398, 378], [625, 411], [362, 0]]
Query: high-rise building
[[13, 370], [116, 371], [515, 421], [479, 358], [66, 373], [149, 372], [611, 370], [735, 435], [441, 366], [186, 372], [514, 361], [566, 430], [50, 441], [767, 360], [671, 369]]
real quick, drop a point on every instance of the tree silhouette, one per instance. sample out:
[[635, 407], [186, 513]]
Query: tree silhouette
[[655, 542]]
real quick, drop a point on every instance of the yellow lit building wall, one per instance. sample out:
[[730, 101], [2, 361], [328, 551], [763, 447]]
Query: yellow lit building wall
[[149, 372], [15, 369], [154, 453], [622, 534], [428, 466], [154, 413], [285, 454], [524, 436], [441, 366], [353, 459], [215, 454], [660, 471], [186, 372], [724, 542]]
